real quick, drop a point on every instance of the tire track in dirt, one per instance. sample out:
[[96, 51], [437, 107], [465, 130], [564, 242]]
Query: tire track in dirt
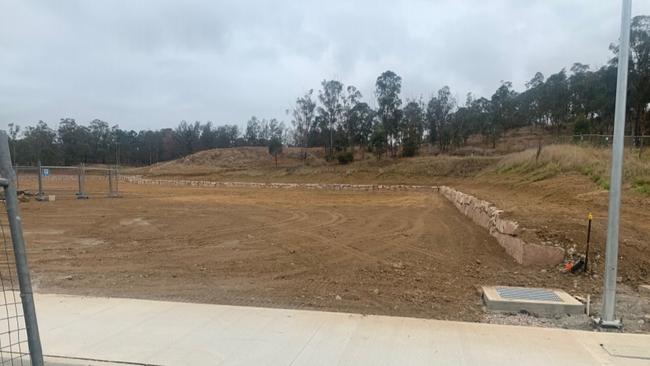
[[209, 235], [290, 249], [351, 253]]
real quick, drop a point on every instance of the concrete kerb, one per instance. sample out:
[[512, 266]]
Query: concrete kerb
[[506, 232]]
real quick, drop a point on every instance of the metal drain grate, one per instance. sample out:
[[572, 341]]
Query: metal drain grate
[[532, 294]]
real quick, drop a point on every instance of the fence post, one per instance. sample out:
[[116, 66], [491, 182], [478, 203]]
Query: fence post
[[117, 181], [82, 182], [24, 281], [40, 195], [79, 179], [110, 183], [17, 180], [112, 192]]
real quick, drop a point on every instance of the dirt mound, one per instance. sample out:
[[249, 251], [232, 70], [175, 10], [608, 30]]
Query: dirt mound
[[239, 158], [226, 157]]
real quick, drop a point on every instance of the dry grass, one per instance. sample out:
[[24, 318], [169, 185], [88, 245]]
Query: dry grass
[[255, 164], [593, 162]]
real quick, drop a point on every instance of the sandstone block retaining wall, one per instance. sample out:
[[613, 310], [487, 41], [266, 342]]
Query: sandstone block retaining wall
[[333, 186], [506, 232]]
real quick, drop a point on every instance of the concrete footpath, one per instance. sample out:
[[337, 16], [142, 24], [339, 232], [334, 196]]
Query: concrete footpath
[[168, 333]]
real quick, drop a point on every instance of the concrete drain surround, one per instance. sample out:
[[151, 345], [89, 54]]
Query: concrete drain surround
[[539, 301]]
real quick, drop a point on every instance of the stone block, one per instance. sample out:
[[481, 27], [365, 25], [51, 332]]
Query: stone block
[[513, 246], [542, 255], [507, 227]]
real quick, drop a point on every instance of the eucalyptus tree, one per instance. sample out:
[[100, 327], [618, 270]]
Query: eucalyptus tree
[[331, 99], [438, 116], [361, 124], [639, 72], [502, 105], [387, 89], [350, 123], [412, 128], [303, 121]]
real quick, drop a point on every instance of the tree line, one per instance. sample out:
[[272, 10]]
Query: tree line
[[99, 142], [336, 118], [577, 101]]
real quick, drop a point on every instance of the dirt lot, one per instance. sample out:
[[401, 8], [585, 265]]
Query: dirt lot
[[399, 253]]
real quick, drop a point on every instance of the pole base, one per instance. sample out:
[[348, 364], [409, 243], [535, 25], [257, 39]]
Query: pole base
[[41, 197], [605, 325], [82, 196]]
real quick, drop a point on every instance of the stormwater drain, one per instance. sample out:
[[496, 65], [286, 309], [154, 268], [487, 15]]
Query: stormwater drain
[[540, 301], [532, 294]]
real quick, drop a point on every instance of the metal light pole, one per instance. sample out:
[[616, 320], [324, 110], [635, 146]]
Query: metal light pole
[[611, 261]]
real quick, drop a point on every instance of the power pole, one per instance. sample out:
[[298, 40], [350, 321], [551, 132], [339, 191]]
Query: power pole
[[608, 318]]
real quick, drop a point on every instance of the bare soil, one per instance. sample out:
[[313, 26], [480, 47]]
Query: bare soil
[[396, 253], [556, 209]]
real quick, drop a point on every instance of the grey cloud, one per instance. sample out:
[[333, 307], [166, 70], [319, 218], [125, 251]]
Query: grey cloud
[[149, 64]]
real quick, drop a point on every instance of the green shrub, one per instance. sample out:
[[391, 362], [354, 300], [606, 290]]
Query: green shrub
[[581, 125], [410, 148], [601, 182], [345, 157]]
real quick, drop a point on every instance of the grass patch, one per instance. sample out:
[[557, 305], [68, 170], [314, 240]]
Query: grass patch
[[596, 176], [601, 182], [642, 185], [590, 161]]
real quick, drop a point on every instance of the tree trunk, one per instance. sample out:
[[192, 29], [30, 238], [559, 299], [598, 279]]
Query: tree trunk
[[539, 148], [331, 140]]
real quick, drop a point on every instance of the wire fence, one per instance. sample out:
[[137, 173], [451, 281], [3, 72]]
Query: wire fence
[[67, 181], [604, 141], [19, 336], [14, 349]]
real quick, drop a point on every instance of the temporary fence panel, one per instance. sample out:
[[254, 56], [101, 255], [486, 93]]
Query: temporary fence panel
[[19, 337], [67, 181]]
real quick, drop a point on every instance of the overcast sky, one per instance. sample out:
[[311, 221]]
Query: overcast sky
[[150, 64]]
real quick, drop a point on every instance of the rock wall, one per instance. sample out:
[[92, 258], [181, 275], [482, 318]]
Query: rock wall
[[506, 232], [136, 179]]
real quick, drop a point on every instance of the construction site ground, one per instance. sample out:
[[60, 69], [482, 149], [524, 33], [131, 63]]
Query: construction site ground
[[387, 253]]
